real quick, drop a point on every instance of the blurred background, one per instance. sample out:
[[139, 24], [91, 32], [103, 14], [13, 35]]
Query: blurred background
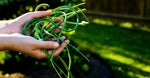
[[118, 36]]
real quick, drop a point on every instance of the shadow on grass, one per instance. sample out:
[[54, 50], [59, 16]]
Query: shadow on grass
[[119, 47], [125, 71]]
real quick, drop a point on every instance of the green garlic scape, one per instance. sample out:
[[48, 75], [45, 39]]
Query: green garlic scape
[[41, 27]]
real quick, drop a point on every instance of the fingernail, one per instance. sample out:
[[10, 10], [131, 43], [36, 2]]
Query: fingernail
[[62, 24], [56, 45], [61, 27], [67, 41], [63, 37]]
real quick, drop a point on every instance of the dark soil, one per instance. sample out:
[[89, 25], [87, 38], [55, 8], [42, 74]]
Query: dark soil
[[26, 69], [98, 69]]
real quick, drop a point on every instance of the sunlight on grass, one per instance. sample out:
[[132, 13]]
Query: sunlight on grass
[[104, 22], [146, 28], [124, 50], [126, 60], [137, 75], [109, 52], [126, 25]]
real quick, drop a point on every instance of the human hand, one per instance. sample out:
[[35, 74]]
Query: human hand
[[17, 25], [30, 46], [27, 47]]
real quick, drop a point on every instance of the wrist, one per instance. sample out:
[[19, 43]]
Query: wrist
[[5, 27], [5, 42]]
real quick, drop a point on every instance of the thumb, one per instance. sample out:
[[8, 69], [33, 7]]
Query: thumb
[[47, 44], [38, 14], [31, 15]]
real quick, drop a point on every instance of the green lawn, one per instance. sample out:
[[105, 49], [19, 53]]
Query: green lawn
[[126, 51]]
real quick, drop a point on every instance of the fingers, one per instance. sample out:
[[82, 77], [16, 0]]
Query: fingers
[[38, 14], [40, 54], [58, 19], [60, 49], [61, 25], [57, 30], [31, 15], [47, 44], [54, 39]]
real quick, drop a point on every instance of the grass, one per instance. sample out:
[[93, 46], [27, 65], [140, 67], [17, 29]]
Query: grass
[[126, 50]]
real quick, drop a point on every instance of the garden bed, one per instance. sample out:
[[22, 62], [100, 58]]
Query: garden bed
[[26, 69]]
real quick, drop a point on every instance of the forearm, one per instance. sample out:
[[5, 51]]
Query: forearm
[[5, 41], [5, 27]]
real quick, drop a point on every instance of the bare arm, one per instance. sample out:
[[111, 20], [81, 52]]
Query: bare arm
[[11, 38], [29, 45]]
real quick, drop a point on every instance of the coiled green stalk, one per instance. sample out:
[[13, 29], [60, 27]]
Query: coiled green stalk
[[41, 27]]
